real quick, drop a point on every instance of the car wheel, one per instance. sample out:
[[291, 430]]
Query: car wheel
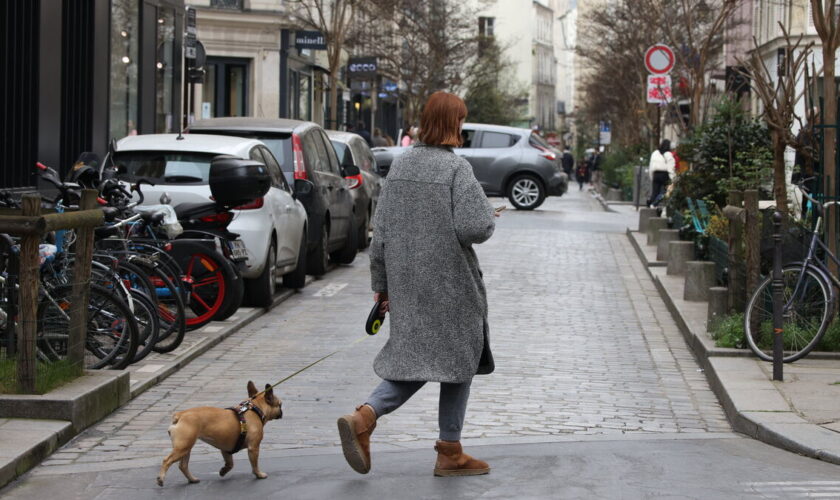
[[297, 278], [351, 246], [318, 258], [526, 192], [260, 290], [364, 232]]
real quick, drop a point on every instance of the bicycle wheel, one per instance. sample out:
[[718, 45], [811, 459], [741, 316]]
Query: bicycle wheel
[[111, 336], [148, 323], [807, 312], [170, 307]]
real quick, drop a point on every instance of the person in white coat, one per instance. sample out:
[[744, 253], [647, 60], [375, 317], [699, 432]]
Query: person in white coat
[[662, 170]]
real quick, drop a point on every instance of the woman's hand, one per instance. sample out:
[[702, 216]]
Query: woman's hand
[[386, 304]]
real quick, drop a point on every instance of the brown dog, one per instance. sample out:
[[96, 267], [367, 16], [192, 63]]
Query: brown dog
[[227, 429]]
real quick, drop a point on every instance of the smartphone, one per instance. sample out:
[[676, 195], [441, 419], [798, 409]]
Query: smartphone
[[500, 208]]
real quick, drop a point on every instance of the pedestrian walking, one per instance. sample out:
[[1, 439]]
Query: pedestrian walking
[[568, 161], [410, 137], [379, 140], [361, 129], [423, 266], [661, 170], [581, 174]]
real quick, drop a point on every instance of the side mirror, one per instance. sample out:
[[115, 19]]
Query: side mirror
[[303, 188], [350, 170]]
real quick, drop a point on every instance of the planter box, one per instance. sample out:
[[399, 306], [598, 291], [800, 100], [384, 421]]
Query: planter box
[[83, 401]]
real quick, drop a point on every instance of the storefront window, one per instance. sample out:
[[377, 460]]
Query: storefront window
[[304, 98], [300, 95], [125, 42], [164, 70]]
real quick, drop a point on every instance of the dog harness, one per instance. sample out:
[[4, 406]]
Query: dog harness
[[240, 412]]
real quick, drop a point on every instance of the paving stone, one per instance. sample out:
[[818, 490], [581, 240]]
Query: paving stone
[[582, 341]]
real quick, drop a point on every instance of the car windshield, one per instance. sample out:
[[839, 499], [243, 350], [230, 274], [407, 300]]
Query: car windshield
[[163, 167], [345, 157]]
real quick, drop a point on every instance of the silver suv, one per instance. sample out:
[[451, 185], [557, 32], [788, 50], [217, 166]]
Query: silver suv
[[507, 161]]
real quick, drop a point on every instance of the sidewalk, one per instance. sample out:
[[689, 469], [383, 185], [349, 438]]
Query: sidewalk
[[800, 414], [26, 442]]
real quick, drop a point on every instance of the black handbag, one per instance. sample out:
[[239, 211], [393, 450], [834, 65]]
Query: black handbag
[[375, 319]]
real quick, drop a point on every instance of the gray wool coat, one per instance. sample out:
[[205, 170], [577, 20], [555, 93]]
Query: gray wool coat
[[430, 213]]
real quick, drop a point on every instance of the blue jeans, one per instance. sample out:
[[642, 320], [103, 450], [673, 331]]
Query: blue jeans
[[452, 406]]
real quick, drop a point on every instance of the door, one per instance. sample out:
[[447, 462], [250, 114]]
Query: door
[[323, 198], [491, 155], [341, 201], [288, 227], [225, 87]]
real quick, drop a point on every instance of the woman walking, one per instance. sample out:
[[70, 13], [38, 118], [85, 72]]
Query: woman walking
[[430, 213], [662, 170]]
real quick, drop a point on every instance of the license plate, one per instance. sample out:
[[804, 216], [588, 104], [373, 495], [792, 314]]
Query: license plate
[[237, 250]]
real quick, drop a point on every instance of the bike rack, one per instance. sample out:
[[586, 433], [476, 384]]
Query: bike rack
[[31, 226]]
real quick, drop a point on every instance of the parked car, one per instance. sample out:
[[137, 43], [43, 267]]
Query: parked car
[[311, 165], [273, 227], [353, 150], [507, 161]]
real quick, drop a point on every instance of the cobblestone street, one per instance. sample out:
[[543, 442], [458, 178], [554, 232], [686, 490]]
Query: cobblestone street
[[585, 351], [582, 344]]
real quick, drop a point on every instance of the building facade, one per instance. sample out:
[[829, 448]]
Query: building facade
[[525, 31], [78, 73]]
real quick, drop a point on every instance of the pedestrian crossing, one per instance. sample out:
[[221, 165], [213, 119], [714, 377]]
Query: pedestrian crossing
[[794, 489]]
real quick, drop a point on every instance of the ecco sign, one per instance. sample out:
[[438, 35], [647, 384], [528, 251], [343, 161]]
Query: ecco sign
[[362, 67]]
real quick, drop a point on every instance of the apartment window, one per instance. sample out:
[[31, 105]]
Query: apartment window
[[226, 4], [486, 26]]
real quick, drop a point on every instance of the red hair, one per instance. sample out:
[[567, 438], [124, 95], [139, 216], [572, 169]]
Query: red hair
[[440, 122]]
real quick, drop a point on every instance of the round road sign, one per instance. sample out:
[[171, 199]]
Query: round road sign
[[659, 59]]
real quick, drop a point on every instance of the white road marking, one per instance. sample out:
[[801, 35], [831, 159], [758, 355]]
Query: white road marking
[[330, 289]]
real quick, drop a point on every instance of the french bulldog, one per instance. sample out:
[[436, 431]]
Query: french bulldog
[[228, 429]]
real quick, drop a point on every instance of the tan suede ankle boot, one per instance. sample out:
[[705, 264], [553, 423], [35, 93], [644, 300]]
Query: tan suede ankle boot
[[355, 431], [452, 461]]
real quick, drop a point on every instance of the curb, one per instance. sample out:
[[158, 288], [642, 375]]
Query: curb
[[737, 378], [26, 459]]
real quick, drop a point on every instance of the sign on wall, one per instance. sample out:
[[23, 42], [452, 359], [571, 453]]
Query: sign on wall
[[362, 67], [313, 40]]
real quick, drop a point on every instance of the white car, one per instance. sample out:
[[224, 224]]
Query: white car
[[273, 227]]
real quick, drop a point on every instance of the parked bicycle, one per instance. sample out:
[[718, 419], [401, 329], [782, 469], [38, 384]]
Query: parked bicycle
[[809, 296]]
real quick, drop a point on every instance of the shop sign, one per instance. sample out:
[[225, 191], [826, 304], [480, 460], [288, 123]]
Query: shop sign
[[313, 40], [189, 38], [362, 67]]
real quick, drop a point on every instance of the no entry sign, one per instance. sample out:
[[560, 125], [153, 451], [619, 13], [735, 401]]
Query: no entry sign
[[659, 59]]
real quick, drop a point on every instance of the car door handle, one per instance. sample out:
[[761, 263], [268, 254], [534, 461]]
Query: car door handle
[[288, 208], [330, 188]]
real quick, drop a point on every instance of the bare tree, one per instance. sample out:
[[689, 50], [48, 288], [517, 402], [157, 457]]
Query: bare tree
[[429, 45], [779, 97], [333, 19], [696, 29], [826, 22], [613, 44]]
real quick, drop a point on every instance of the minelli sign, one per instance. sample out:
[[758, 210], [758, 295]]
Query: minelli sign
[[314, 40], [362, 67]]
